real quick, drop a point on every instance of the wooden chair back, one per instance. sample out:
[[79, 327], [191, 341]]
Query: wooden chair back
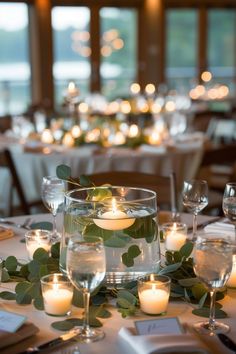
[[164, 186]]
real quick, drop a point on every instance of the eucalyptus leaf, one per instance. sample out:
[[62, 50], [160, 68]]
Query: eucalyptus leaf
[[94, 230], [38, 303], [77, 299], [63, 172], [55, 250], [205, 312], [188, 282], [127, 260], [120, 240], [42, 225], [62, 325], [11, 263], [23, 299], [41, 255], [170, 268], [134, 251], [127, 295], [5, 276], [84, 181], [186, 249], [94, 322], [198, 290], [202, 300], [7, 295]]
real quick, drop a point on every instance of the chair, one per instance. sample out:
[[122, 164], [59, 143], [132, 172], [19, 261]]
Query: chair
[[164, 186], [7, 161]]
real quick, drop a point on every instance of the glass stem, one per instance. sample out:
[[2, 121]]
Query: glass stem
[[212, 310], [54, 224], [194, 226], [86, 298]]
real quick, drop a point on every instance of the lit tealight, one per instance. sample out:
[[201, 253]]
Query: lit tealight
[[150, 89], [114, 219], [135, 88], [47, 136]]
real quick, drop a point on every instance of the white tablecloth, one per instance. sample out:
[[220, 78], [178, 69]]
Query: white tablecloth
[[32, 167], [112, 325]]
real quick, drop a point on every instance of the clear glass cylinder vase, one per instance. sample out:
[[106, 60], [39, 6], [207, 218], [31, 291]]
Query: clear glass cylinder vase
[[126, 219]]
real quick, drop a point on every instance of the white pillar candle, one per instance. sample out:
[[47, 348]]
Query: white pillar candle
[[231, 283], [114, 219], [57, 293], [57, 301], [153, 301], [175, 236]]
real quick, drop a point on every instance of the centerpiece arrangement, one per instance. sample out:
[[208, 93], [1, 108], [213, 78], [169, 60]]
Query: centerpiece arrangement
[[126, 220]]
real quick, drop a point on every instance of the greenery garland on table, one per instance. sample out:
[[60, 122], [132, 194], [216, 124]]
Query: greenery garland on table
[[179, 267]]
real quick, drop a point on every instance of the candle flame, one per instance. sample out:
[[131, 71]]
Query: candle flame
[[175, 226], [114, 205], [55, 283]]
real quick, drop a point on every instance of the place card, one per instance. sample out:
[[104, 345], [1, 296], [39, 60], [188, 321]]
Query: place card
[[10, 321], [169, 325]]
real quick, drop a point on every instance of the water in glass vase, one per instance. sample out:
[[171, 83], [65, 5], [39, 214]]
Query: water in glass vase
[[128, 229]]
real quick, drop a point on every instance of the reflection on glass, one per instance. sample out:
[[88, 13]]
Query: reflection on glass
[[14, 59], [71, 47], [118, 47]]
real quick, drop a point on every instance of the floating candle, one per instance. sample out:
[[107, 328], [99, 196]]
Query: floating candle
[[114, 219]]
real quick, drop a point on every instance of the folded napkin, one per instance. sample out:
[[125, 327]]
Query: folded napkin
[[158, 344], [5, 233], [153, 149], [227, 229], [8, 338]]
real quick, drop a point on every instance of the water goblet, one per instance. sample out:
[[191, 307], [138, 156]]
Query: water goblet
[[52, 193], [229, 203], [195, 199], [86, 268], [212, 263]]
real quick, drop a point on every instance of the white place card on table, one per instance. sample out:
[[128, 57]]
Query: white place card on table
[[10, 321], [159, 326]]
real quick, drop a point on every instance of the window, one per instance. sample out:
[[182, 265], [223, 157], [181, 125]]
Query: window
[[222, 45], [14, 59], [118, 50], [181, 48], [71, 40]]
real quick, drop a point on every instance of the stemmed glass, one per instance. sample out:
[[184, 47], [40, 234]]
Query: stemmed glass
[[86, 268], [229, 203], [52, 193], [212, 265], [195, 199]]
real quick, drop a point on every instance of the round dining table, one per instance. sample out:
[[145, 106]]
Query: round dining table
[[112, 343]]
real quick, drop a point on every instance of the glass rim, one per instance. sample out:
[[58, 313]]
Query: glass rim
[[200, 181], [146, 278], [33, 233], [46, 278], [153, 194]]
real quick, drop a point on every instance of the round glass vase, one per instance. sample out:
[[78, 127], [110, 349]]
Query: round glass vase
[[126, 219]]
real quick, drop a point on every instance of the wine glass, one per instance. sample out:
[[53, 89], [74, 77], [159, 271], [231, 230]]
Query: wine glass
[[212, 263], [52, 192], [195, 199], [229, 203], [86, 268]]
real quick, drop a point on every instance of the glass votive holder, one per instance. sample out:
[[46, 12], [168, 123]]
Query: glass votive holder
[[37, 239], [175, 235], [154, 292], [57, 292]]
